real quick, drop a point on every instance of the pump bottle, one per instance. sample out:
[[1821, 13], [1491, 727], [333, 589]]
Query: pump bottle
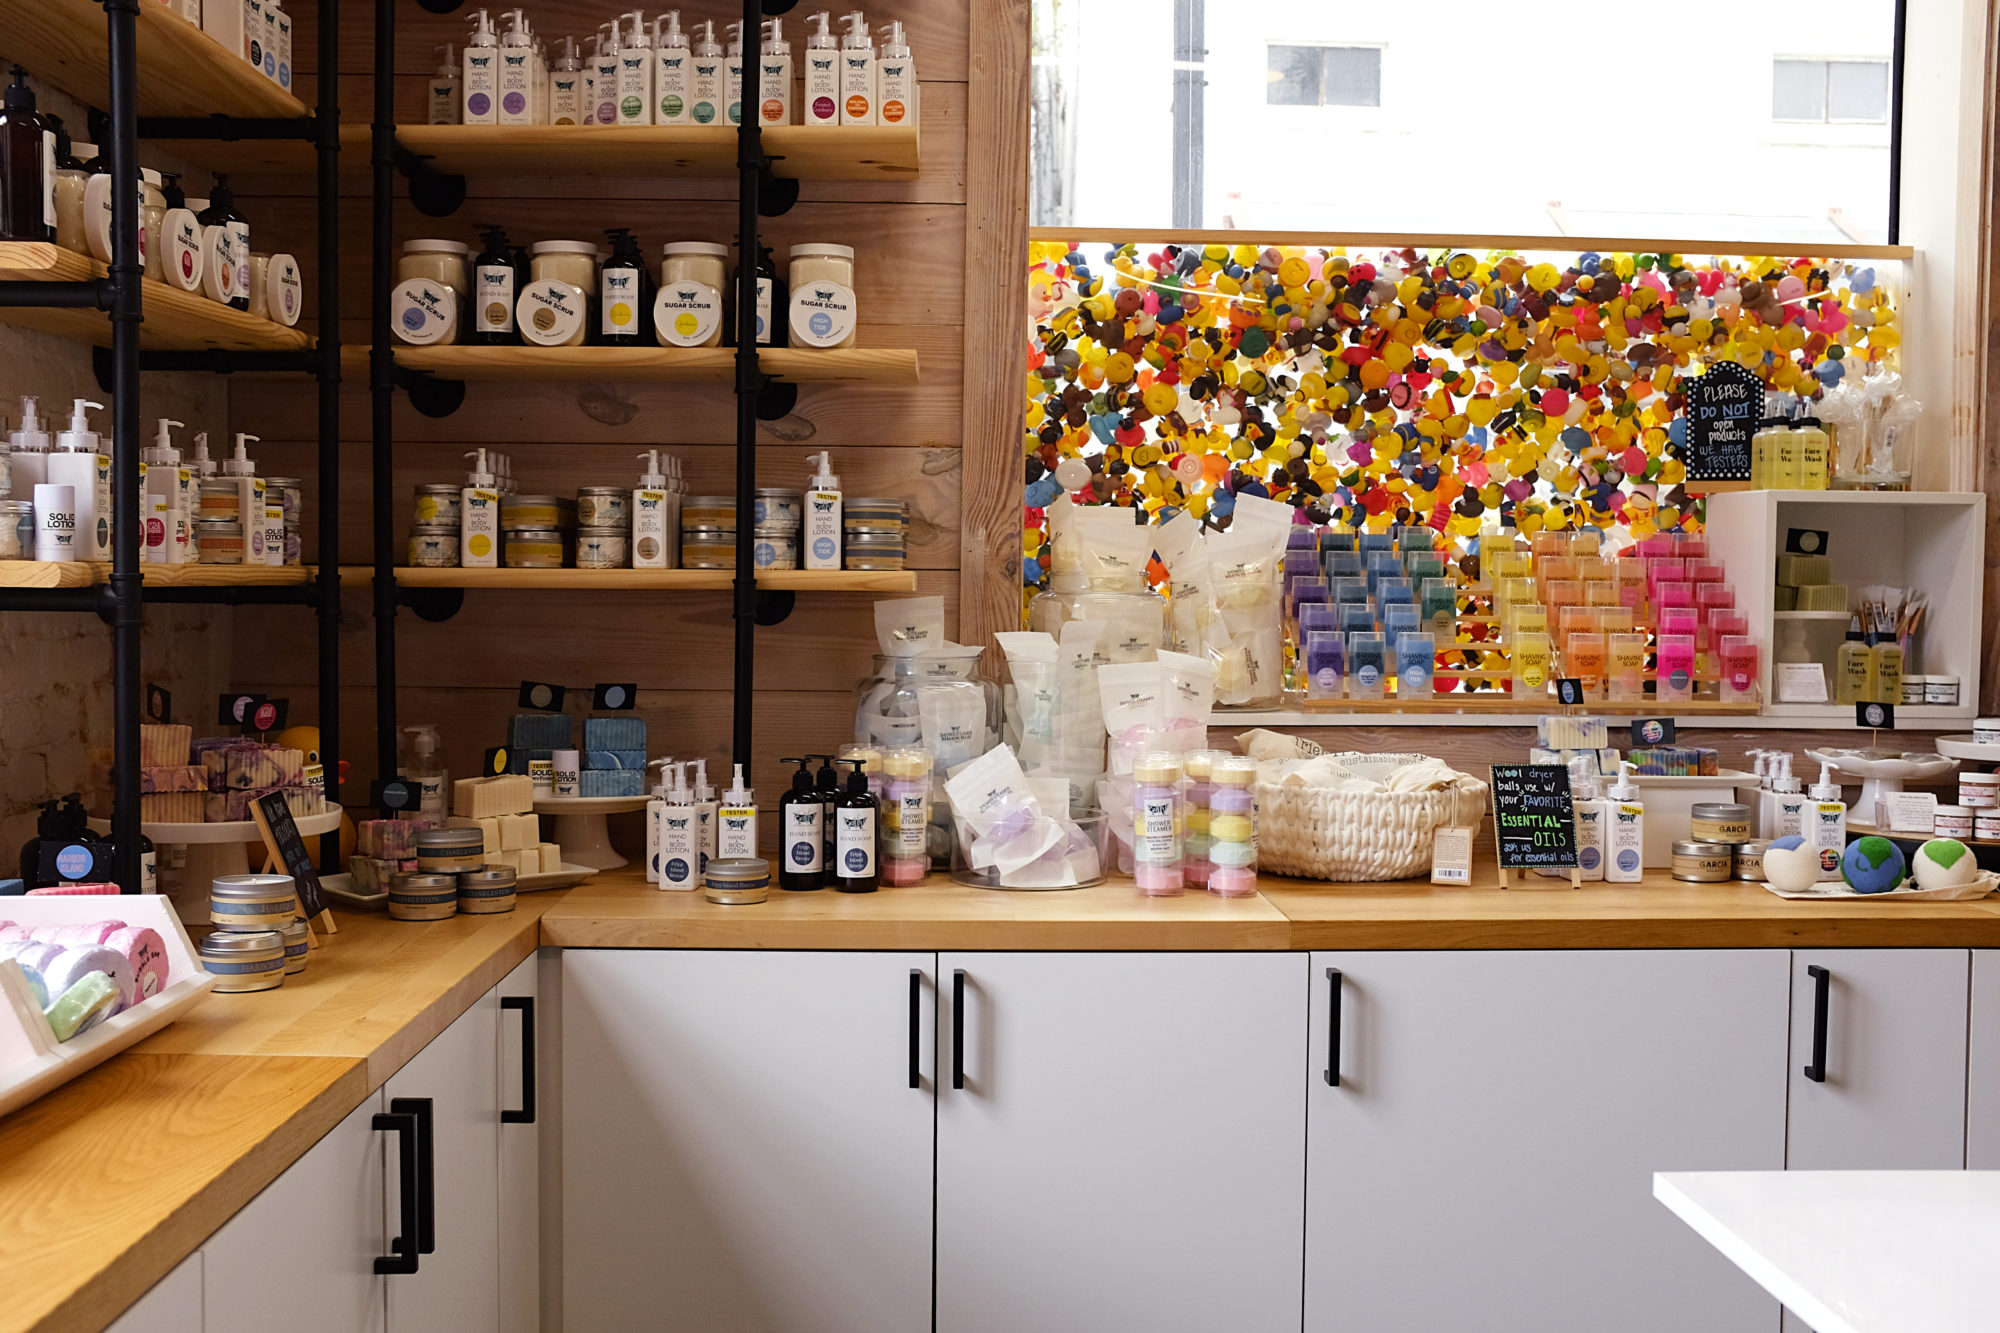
[[854, 866], [732, 72], [481, 79], [447, 102], [1828, 834], [1593, 816], [672, 71], [1787, 448], [78, 463], [656, 807], [652, 513], [27, 167], [737, 830], [493, 291], [706, 85], [422, 765], [479, 516], [681, 854], [774, 76], [857, 72], [896, 80], [604, 75], [826, 782], [1764, 442], [221, 212], [705, 808], [1784, 804], [624, 298], [802, 848], [28, 448], [635, 73], [819, 99], [1854, 667], [167, 478], [1625, 830], [203, 465], [569, 100], [1815, 464], [822, 518], [517, 72], [249, 498]]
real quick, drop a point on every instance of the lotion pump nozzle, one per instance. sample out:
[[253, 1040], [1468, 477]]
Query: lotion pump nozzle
[[479, 476], [819, 32], [774, 38], [660, 787], [482, 31], [447, 59], [79, 428], [857, 32], [639, 36], [1826, 789], [652, 479], [895, 46], [702, 789], [1625, 789], [30, 423], [517, 32], [163, 444], [738, 795], [239, 464], [204, 466], [734, 33], [823, 479], [706, 46]]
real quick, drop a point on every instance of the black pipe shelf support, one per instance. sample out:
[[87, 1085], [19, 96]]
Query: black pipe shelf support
[[88, 294], [435, 605], [230, 129]]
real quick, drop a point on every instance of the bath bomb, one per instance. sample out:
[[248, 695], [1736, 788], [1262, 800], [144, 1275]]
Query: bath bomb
[[1789, 865], [1872, 865], [1944, 863]]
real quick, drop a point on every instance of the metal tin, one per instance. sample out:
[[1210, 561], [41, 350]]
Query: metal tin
[[1941, 690], [604, 507], [1704, 862], [777, 505], [532, 548], [440, 504], [487, 890], [423, 897], [17, 529], [535, 511], [287, 492], [252, 902], [1986, 730], [706, 511], [737, 880], [1750, 859], [221, 497], [433, 546], [708, 554], [603, 548], [1719, 821], [298, 944], [243, 961], [220, 541], [876, 507], [447, 851], [875, 562], [776, 549]]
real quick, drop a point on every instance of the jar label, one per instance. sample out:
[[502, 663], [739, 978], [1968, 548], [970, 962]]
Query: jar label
[[1157, 842], [854, 843], [550, 312], [686, 314], [912, 824], [422, 312], [804, 847], [493, 299], [618, 301], [822, 313], [290, 289]]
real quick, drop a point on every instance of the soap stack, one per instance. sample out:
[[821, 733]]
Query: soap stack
[[502, 809], [614, 757]]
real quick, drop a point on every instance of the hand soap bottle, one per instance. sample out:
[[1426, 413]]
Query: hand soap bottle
[[27, 167], [774, 76], [672, 71], [653, 512], [857, 72], [706, 84], [479, 517], [495, 283], [165, 477], [827, 783], [854, 868], [819, 100], [422, 765], [624, 297], [737, 834], [681, 855], [1625, 830], [1828, 834], [802, 849], [481, 80], [28, 449], [221, 212], [447, 103], [77, 463], [822, 517]]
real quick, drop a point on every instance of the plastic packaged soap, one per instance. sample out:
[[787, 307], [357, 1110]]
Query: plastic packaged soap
[[1367, 666], [1676, 668], [1232, 828], [1195, 840], [906, 814], [1156, 842], [1416, 659], [1325, 664]]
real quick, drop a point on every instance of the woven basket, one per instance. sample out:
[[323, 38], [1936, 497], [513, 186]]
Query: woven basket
[[1317, 833]]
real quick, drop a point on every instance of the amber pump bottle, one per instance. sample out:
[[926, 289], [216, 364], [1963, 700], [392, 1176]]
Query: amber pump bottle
[[27, 166]]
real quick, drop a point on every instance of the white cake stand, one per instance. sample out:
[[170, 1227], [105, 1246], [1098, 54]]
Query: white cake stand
[[1965, 748], [1880, 771], [217, 849], [581, 829]]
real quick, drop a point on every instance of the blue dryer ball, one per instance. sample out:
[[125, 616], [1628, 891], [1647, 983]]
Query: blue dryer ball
[[1872, 865]]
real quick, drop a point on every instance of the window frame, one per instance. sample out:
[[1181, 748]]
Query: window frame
[[1826, 64]]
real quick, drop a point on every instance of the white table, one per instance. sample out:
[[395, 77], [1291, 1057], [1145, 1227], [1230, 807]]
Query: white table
[[1856, 1251]]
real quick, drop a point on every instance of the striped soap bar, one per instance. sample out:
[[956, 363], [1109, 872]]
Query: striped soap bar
[[612, 782], [539, 731], [614, 759], [614, 733]]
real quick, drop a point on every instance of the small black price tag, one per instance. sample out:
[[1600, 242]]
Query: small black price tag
[[234, 710], [1569, 691], [541, 695], [159, 703], [1876, 717], [1805, 541], [496, 762], [614, 697], [392, 796], [1652, 731], [268, 715]]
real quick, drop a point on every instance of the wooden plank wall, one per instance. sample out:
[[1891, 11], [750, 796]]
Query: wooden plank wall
[[916, 286]]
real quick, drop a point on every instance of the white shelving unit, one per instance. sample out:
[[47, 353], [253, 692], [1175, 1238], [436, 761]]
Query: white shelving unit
[[1932, 540]]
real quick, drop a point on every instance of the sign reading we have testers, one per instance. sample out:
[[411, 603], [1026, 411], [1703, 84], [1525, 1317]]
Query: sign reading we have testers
[[1534, 826]]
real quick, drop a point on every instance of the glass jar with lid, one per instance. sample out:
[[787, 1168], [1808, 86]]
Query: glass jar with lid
[[823, 312], [441, 261], [152, 211], [17, 530], [556, 307], [427, 306], [687, 312]]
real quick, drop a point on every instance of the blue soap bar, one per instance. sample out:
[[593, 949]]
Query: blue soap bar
[[613, 759], [614, 733], [517, 760], [612, 782], [539, 731], [12, 888]]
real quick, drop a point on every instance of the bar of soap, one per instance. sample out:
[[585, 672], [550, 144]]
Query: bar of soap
[[615, 759], [164, 745], [518, 831], [506, 794], [611, 782], [172, 778], [85, 1001], [539, 731], [614, 733]]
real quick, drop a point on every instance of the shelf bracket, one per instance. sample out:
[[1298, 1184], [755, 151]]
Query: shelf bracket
[[435, 193], [774, 605], [439, 6], [430, 395], [436, 605], [775, 194], [776, 399], [779, 6]]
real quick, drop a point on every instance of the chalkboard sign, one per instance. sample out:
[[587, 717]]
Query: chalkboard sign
[[1723, 405], [288, 846], [1533, 824]]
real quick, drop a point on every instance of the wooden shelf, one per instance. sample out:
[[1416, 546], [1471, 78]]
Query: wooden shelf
[[867, 365], [853, 152], [182, 70], [1507, 703], [82, 574], [635, 580], [174, 320]]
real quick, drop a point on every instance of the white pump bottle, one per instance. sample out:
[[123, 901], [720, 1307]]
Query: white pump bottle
[[77, 462], [774, 76], [653, 513], [737, 820], [681, 854], [481, 80], [857, 72], [568, 97], [732, 72], [517, 72], [604, 75], [673, 72], [479, 516], [1828, 835], [656, 806], [706, 86], [28, 447], [705, 808], [1625, 831], [819, 100], [822, 517], [635, 73], [168, 477], [447, 102], [896, 80], [249, 499]]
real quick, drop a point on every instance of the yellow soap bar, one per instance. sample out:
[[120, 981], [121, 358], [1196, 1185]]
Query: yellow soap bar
[[519, 831], [1230, 828], [480, 798], [551, 858]]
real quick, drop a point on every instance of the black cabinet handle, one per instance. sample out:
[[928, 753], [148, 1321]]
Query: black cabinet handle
[[402, 1256], [1333, 1028], [958, 1028], [1816, 1071], [526, 1114], [419, 1109], [916, 1026]]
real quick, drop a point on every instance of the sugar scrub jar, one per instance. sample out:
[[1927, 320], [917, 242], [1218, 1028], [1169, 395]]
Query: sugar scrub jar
[[1156, 841], [432, 283], [823, 309], [553, 309], [687, 311]]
